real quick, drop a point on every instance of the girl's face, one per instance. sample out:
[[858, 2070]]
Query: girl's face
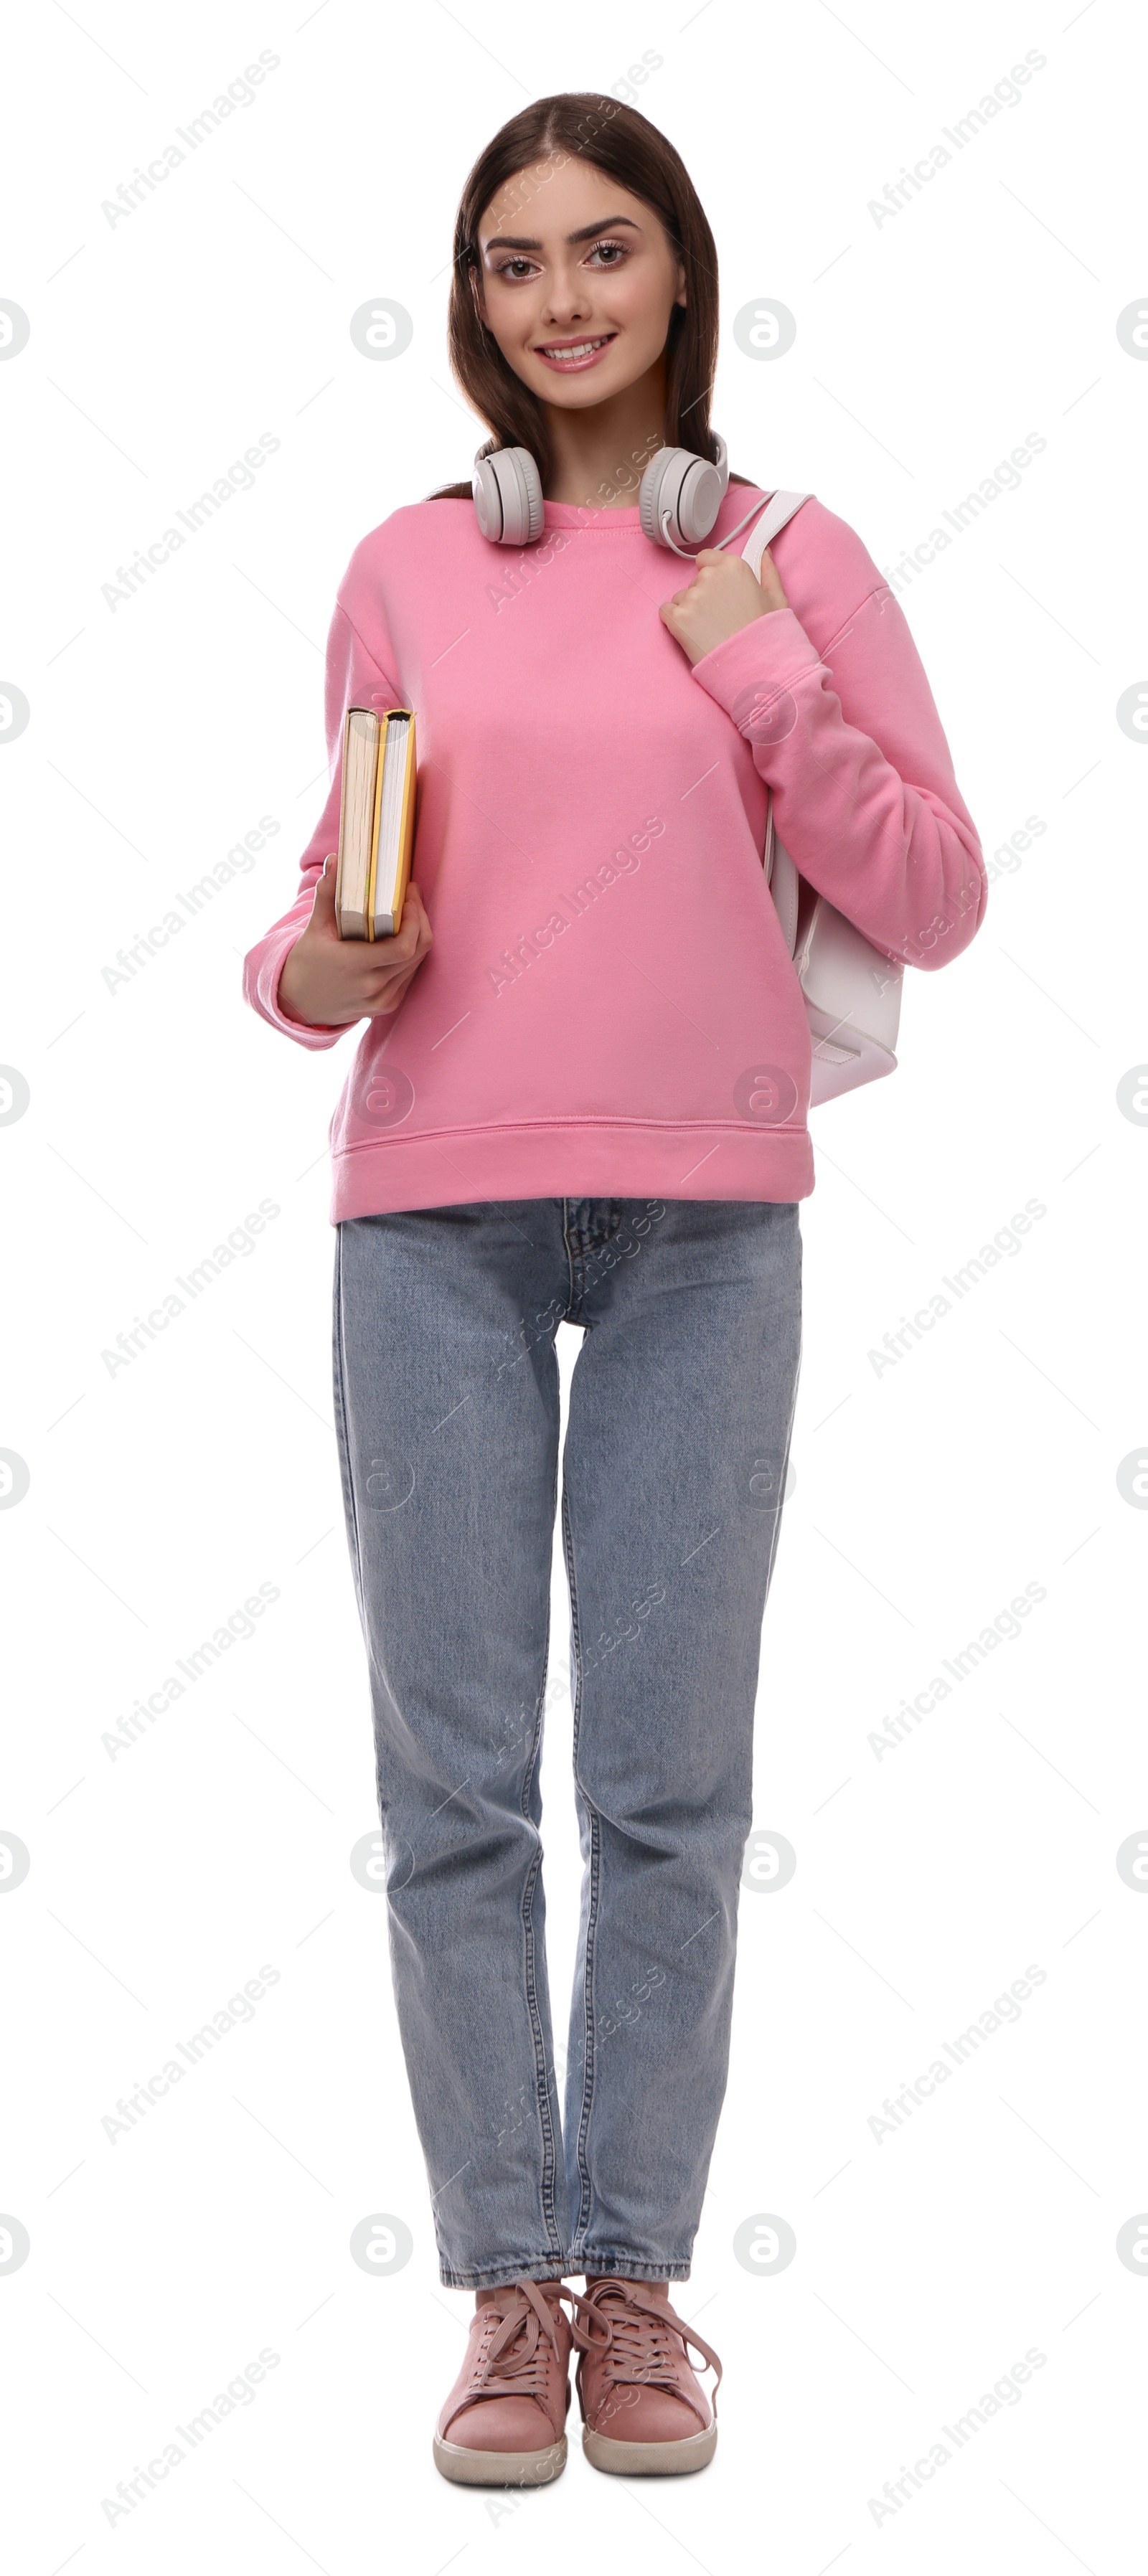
[[577, 282]]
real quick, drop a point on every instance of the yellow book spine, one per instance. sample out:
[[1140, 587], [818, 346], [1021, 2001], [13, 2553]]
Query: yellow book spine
[[342, 816], [406, 824], [380, 749]]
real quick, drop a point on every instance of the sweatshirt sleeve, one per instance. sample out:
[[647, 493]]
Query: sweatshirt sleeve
[[353, 679], [849, 739]]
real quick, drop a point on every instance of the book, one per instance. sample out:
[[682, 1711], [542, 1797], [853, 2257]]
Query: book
[[376, 821]]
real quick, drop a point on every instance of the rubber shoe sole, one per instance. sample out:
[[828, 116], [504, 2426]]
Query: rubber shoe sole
[[650, 2459], [468, 2468]]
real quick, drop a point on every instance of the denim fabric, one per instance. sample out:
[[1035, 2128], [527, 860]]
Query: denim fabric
[[674, 1464]]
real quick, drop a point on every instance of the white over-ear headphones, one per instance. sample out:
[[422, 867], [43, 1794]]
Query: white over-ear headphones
[[679, 496]]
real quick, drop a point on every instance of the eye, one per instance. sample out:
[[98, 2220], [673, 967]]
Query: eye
[[513, 267], [615, 247]]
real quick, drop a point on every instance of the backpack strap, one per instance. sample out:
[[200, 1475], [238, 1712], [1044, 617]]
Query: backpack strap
[[780, 510], [780, 874]]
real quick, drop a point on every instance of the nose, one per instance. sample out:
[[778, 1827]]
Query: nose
[[568, 300]]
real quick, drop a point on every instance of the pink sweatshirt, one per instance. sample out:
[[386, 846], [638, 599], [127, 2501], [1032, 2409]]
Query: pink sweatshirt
[[608, 971]]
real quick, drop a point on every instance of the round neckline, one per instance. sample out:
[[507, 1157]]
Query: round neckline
[[572, 514]]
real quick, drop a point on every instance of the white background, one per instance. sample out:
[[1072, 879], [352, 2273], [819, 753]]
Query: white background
[[985, 1459]]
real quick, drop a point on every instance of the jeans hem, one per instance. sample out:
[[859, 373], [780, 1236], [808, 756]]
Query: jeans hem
[[626, 2268], [497, 2276], [545, 2267]]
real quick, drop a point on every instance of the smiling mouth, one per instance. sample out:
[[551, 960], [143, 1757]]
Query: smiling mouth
[[574, 353]]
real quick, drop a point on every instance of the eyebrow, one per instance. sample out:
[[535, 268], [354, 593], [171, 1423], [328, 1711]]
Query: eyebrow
[[525, 241]]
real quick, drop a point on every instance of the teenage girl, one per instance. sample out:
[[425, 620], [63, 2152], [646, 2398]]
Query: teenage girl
[[580, 1095]]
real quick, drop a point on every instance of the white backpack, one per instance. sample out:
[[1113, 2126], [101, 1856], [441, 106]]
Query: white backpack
[[852, 992]]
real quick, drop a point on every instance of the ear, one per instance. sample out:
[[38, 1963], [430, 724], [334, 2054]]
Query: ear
[[476, 291], [681, 297]]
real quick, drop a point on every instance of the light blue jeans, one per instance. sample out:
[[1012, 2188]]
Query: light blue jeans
[[674, 1465]]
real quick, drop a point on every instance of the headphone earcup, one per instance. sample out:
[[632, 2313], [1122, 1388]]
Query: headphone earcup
[[688, 487], [508, 497]]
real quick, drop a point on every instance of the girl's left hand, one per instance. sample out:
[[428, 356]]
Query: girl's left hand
[[723, 597]]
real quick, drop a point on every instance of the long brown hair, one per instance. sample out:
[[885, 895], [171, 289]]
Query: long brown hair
[[623, 144]]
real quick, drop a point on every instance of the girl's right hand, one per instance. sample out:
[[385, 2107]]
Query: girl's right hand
[[327, 982]]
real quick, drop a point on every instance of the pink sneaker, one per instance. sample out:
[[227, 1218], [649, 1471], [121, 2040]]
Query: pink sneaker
[[645, 2412], [506, 2412]]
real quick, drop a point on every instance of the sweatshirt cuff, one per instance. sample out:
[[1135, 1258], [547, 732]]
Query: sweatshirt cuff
[[757, 667], [266, 997]]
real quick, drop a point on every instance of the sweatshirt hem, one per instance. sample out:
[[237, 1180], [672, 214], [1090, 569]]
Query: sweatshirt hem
[[611, 1158]]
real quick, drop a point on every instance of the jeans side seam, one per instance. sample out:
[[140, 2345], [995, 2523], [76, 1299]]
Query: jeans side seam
[[777, 1517], [583, 2218], [541, 2078], [342, 1439], [541, 2070], [589, 2031]]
